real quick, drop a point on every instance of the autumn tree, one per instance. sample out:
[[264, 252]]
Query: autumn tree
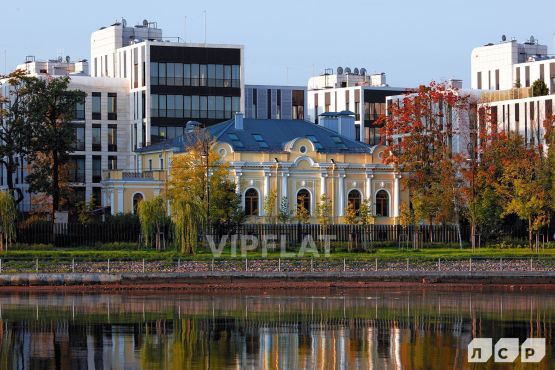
[[199, 190], [8, 215], [152, 216], [15, 132], [419, 132], [270, 206], [50, 108]]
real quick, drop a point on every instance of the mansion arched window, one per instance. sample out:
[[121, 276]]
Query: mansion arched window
[[137, 198], [382, 203], [251, 202], [303, 199], [354, 198]]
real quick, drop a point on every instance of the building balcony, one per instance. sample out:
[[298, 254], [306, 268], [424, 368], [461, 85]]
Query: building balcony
[[118, 175], [511, 94]]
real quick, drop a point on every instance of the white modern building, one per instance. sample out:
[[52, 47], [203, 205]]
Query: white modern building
[[508, 70], [353, 91], [170, 82], [275, 102], [102, 128]]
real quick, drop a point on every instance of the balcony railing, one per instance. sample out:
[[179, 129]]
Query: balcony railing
[[155, 175], [511, 94]]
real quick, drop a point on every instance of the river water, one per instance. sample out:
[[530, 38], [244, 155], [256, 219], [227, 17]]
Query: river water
[[366, 329]]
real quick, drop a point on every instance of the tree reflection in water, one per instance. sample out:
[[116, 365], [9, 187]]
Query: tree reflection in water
[[363, 330]]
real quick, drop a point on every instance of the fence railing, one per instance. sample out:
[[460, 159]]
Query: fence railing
[[10, 265], [75, 234]]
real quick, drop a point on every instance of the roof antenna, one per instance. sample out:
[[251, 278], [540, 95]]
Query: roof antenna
[[204, 11]]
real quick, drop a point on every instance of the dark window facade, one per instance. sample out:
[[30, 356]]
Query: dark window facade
[[112, 138], [77, 169], [298, 104], [303, 199], [354, 198], [79, 132], [251, 202], [96, 138], [137, 198], [96, 168], [96, 106], [79, 114], [112, 106], [382, 204]]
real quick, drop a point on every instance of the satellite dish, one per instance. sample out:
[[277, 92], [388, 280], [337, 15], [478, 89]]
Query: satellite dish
[[532, 39], [363, 71], [347, 70], [356, 71], [339, 70], [503, 38], [145, 22]]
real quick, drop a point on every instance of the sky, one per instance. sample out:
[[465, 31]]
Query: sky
[[287, 41]]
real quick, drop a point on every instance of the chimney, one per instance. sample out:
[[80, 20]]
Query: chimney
[[238, 120]]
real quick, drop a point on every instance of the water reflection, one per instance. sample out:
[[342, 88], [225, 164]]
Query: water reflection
[[362, 330]]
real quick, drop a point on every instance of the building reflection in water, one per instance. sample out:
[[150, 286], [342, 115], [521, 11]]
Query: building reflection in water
[[374, 330]]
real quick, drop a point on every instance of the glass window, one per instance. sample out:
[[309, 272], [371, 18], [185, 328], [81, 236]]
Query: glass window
[[203, 106], [354, 198], [112, 162], [303, 200], [179, 106], [227, 76], [195, 74], [154, 73], [227, 113], [77, 169], [382, 203], [187, 106], [203, 74], [170, 102], [170, 74], [162, 106], [211, 107], [219, 75], [251, 202], [211, 75], [171, 132], [236, 76], [112, 138], [194, 106], [178, 74], [162, 73], [96, 113], [219, 107], [79, 132], [96, 168], [235, 104], [163, 133], [112, 106], [96, 138], [79, 111], [186, 74], [154, 105]]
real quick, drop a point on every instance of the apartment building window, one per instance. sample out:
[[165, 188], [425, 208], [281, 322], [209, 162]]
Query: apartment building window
[[97, 196], [203, 75], [112, 106], [112, 162], [548, 108], [170, 74], [517, 117], [527, 75], [96, 103], [112, 138], [79, 132], [96, 168], [150, 164], [96, 138], [518, 83], [227, 76], [235, 76], [186, 75], [220, 107], [79, 114], [219, 75], [552, 77], [542, 74], [195, 72], [95, 67], [269, 104], [489, 80], [327, 99], [496, 79], [77, 169], [154, 73], [161, 163], [479, 78]]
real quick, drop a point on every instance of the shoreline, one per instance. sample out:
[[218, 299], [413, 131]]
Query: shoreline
[[258, 282]]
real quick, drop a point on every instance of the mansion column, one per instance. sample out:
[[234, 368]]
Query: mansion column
[[396, 195], [323, 184], [369, 177], [284, 184], [267, 175], [341, 194], [120, 201]]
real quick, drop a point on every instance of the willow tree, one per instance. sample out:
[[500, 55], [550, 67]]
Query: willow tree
[[152, 216], [197, 180], [8, 215]]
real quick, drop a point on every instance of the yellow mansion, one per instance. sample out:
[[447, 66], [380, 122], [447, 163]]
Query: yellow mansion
[[299, 159]]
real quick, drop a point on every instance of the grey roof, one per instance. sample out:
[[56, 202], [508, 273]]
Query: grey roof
[[276, 133]]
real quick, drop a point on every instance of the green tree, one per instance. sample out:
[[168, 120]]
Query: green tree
[[8, 215], [198, 181], [351, 214], [366, 213], [539, 88], [323, 210], [270, 206], [85, 211], [152, 216], [15, 133], [50, 108], [284, 213]]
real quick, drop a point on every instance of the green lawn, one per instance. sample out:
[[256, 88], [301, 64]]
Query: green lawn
[[203, 254]]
